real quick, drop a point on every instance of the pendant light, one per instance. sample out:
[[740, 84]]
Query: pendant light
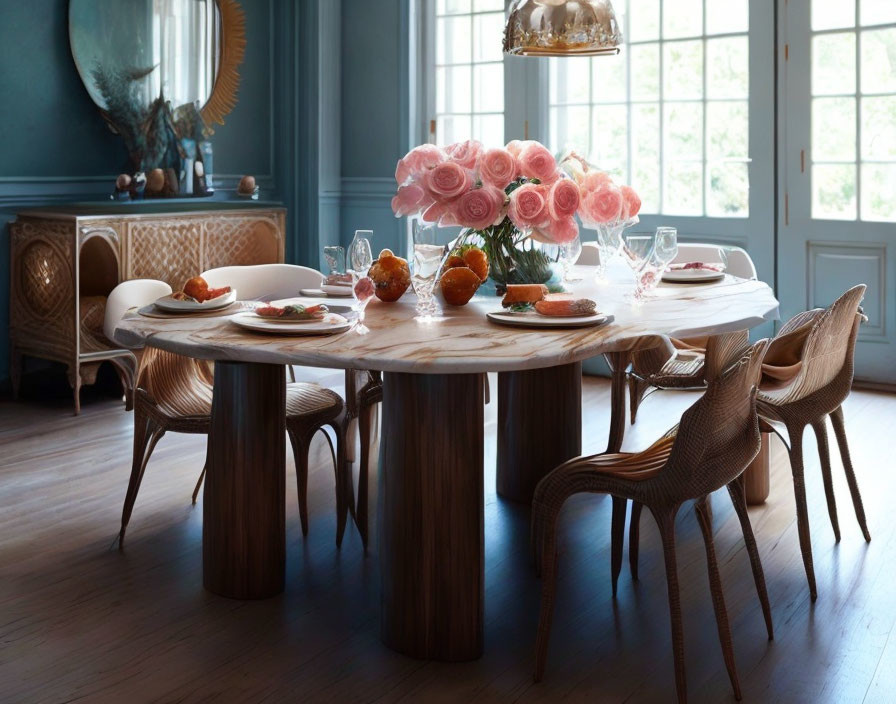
[[562, 28]]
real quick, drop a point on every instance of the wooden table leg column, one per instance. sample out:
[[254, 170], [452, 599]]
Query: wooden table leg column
[[431, 515], [539, 426], [244, 505]]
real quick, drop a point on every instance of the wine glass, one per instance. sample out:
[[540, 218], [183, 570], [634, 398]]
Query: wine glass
[[665, 250], [569, 255], [609, 244], [334, 255], [637, 251], [360, 257], [427, 261]]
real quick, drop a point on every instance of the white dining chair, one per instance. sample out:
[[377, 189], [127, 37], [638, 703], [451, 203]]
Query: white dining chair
[[264, 282], [739, 262]]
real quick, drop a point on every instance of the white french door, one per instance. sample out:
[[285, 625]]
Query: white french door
[[837, 163]]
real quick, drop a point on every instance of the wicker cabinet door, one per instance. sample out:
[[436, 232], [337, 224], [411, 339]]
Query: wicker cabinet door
[[242, 240], [165, 249]]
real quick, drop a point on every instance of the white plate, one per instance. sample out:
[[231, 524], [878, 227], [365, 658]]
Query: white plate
[[330, 325], [340, 291], [172, 305], [531, 319], [693, 276], [343, 311]]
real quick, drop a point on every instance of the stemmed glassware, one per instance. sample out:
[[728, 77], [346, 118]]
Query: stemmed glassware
[[427, 261], [609, 244], [569, 255], [636, 251], [335, 258], [360, 259], [648, 256]]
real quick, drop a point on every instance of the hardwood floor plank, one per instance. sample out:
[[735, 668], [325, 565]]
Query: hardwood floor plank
[[81, 621]]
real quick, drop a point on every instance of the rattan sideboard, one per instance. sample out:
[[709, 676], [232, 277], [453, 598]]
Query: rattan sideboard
[[66, 260]]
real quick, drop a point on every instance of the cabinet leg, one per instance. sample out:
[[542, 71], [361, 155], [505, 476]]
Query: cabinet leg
[[74, 379]]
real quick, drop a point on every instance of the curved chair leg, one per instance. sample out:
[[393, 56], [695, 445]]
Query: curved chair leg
[[344, 490], [802, 510], [546, 537], [665, 519], [738, 494], [824, 454], [634, 539], [199, 483], [636, 390], [146, 435], [617, 537], [366, 421], [704, 517], [840, 432], [300, 456]]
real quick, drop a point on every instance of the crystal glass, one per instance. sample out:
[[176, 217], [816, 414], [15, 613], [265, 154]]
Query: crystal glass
[[334, 255], [637, 252], [360, 258], [569, 255], [609, 244], [427, 261]]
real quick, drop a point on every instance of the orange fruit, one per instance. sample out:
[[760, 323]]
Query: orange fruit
[[459, 284], [475, 259], [390, 275], [454, 261]]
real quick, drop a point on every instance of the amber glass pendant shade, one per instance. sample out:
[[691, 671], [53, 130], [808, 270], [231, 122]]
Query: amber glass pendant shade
[[562, 28]]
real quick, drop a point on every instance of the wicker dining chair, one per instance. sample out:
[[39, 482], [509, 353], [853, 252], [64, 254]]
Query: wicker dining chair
[[678, 365], [174, 394], [711, 447], [363, 389], [807, 376]]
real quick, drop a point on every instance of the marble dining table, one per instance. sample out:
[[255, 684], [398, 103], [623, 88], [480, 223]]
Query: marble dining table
[[431, 495]]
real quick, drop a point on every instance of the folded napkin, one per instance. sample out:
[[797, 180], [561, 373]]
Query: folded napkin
[[706, 266]]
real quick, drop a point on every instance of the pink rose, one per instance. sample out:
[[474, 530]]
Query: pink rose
[[408, 200], [562, 231], [417, 162], [434, 212], [481, 207], [593, 180], [448, 180], [498, 167], [632, 202], [537, 162], [516, 147], [564, 198], [603, 205], [465, 154], [528, 206]]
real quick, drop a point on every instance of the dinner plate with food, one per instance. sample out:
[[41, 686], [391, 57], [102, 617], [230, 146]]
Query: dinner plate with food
[[335, 285], [530, 305], [293, 319], [694, 273], [197, 297]]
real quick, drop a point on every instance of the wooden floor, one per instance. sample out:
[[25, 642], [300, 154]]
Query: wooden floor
[[81, 621]]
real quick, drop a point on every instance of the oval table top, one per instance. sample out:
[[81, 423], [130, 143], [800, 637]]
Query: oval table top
[[465, 341]]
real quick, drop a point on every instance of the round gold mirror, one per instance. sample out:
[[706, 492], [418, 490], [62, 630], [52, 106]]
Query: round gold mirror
[[183, 53]]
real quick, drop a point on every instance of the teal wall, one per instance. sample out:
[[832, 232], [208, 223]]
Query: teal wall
[[55, 147]]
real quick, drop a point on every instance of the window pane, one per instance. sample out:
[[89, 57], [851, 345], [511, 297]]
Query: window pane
[[727, 68], [453, 40], [570, 80], [879, 192], [834, 192], [833, 129], [488, 35], [488, 88], [610, 139], [831, 14], [570, 128], [728, 190], [683, 131], [879, 61], [608, 79], [646, 155], [452, 128], [488, 129], [453, 89], [727, 17], [683, 70], [683, 18], [483, 5], [643, 21], [877, 11], [728, 130], [645, 60], [451, 7], [834, 64], [683, 188], [879, 129]]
